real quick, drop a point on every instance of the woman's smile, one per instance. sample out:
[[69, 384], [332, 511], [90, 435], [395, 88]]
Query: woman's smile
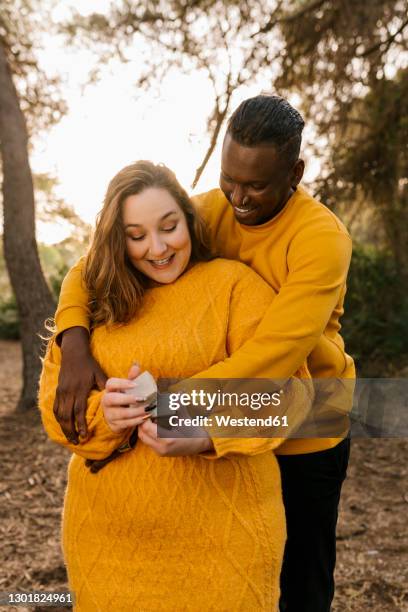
[[160, 264]]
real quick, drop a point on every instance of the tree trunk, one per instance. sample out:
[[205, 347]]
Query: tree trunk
[[34, 299]]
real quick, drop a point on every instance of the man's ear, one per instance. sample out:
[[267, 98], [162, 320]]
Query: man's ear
[[297, 172]]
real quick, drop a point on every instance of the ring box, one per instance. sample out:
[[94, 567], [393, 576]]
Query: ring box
[[146, 387]]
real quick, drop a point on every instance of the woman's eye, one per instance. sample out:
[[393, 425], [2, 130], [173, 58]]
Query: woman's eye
[[136, 238], [169, 229]]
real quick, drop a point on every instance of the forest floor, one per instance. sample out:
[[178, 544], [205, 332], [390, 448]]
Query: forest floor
[[372, 561]]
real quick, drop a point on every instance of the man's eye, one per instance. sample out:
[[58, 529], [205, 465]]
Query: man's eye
[[169, 229], [226, 178], [257, 186]]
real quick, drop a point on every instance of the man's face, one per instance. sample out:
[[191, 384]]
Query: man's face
[[257, 181]]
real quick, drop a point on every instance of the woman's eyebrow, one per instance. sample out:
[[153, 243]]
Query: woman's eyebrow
[[171, 212]]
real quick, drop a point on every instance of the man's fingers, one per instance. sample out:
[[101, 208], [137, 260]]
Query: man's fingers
[[66, 418], [80, 408], [97, 464], [100, 378]]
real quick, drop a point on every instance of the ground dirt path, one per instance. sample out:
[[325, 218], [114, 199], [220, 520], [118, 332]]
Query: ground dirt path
[[372, 564]]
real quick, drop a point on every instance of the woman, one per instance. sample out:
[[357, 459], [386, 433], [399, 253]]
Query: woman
[[149, 532]]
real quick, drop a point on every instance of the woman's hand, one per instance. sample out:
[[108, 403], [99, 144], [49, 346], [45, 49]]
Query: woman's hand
[[172, 447], [123, 411]]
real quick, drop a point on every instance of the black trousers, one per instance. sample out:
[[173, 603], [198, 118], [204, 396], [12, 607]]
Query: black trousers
[[311, 486]]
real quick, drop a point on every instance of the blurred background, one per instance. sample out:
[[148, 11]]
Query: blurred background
[[89, 86]]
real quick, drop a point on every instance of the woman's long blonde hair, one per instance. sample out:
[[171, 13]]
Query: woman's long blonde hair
[[115, 287]]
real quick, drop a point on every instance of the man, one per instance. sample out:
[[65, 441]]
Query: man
[[262, 217]]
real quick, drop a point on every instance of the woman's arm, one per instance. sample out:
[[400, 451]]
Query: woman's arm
[[101, 439]]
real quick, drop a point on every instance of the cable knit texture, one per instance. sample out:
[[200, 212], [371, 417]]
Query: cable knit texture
[[303, 253], [185, 533]]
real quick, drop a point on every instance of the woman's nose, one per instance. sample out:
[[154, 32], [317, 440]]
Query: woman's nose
[[157, 246]]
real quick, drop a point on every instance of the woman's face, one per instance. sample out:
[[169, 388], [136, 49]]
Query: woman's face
[[157, 238]]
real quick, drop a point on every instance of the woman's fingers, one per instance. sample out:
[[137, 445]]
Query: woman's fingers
[[134, 371], [119, 416], [119, 419], [149, 429], [119, 425], [119, 384], [124, 414], [114, 398], [147, 433], [123, 410], [172, 447]]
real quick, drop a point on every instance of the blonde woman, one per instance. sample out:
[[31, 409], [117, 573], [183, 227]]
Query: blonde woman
[[172, 524]]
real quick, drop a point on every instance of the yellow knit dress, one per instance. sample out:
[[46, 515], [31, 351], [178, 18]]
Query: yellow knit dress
[[154, 533]]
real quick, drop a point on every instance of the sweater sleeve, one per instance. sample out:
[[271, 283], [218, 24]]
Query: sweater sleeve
[[102, 440], [298, 316], [72, 310], [250, 298]]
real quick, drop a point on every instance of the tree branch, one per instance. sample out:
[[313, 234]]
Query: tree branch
[[301, 12], [387, 42], [219, 117], [288, 18]]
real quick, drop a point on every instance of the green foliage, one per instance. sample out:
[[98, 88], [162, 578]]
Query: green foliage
[[370, 167], [9, 322], [56, 261], [9, 319], [55, 279], [375, 324]]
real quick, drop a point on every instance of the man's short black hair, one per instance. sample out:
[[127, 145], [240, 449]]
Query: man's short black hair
[[268, 120]]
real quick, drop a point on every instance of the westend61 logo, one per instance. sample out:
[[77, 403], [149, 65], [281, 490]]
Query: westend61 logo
[[208, 401], [196, 412]]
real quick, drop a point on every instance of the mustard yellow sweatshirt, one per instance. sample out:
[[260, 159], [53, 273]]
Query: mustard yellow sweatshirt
[[303, 254], [169, 533]]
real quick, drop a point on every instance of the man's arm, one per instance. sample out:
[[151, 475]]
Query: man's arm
[[72, 310], [78, 375], [79, 372], [298, 316], [250, 299], [291, 327]]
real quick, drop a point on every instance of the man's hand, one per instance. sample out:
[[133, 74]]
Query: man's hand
[[172, 447], [79, 374]]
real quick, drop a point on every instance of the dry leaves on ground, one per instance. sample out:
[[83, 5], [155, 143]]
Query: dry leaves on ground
[[372, 535]]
